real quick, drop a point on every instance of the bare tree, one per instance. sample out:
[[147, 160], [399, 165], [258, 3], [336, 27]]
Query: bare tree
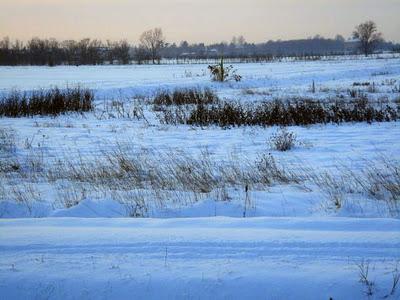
[[141, 55], [119, 51], [368, 36], [152, 41], [123, 52]]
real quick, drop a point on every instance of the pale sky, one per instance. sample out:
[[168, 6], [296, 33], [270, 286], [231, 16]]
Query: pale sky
[[195, 21]]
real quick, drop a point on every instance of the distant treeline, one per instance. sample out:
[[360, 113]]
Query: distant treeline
[[52, 52]]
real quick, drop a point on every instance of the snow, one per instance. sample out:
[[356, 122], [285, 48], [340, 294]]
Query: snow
[[326, 148], [280, 78], [219, 258], [292, 244]]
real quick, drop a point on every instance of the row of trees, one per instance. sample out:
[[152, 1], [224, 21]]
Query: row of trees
[[152, 47], [52, 52], [84, 52]]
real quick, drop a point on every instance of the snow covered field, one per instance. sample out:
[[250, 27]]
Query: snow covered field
[[201, 258], [277, 79], [324, 213]]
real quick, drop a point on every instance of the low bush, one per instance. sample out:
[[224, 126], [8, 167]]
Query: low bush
[[185, 97], [285, 113], [53, 102], [282, 140]]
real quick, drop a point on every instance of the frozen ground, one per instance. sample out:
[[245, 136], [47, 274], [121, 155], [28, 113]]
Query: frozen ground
[[322, 148], [273, 79], [202, 258], [295, 242]]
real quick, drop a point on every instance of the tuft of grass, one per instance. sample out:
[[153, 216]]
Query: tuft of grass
[[363, 268], [7, 141], [70, 194], [134, 201], [333, 187], [8, 159], [283, 140], [379, 180], [171, 171], [271, 171], [26, 194]]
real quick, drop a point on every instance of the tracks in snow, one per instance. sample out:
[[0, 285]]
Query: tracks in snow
[[206, 238]]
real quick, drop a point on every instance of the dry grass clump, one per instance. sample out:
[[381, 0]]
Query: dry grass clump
[[70, 194], [52, 102], [8, 159], [25, 194], [283, 140], [272, 171], [143, 180], [173, 115], [381, 180], [9, 165], [378, 180], [333, 187], [7, 140], [185, 97], [283, 113], [135, 202], [123, 107], [170, 171]]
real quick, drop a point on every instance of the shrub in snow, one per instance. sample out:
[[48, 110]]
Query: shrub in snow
[[285, 113], [221, 73], [185, 97], [282, 140], [46, 102]]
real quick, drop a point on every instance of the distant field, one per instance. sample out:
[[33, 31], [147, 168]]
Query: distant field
[[216, 203], [277, 78]]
